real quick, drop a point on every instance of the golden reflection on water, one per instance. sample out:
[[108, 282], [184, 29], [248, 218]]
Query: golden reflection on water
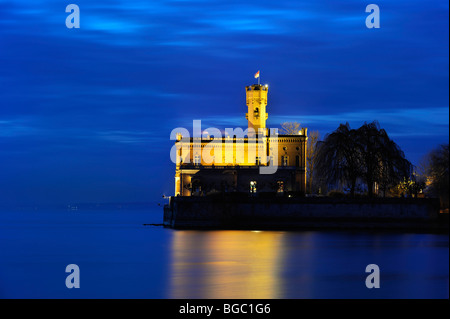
[[226, 264]]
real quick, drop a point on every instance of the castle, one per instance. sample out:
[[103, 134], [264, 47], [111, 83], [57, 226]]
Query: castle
[[256, 160]]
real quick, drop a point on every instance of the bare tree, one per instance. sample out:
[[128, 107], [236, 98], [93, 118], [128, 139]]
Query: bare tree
[[290, 128], [311, 158]]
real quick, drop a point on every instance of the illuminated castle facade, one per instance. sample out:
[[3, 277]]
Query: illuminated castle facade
[[257, 161]]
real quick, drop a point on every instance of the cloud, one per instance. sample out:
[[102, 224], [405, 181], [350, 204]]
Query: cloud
[[16, 127], [137, 69], [402, 122], [130, 137]]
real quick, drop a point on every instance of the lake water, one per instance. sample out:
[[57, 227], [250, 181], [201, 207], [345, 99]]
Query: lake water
[[118, 257]]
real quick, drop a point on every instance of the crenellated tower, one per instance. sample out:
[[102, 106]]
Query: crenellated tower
[[256, 99]]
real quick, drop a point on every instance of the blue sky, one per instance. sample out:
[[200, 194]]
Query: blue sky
[[86, 114]]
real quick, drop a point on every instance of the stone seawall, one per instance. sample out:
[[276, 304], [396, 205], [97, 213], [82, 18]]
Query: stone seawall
[[296, 213]]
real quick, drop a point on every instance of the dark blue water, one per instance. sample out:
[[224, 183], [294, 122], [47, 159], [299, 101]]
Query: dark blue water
[[118, 257]]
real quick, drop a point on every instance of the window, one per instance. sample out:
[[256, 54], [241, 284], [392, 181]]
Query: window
[[196, 187], [197, 160], [253, 187], [280, 186], [297, 161], [258, 160], [284, 160]]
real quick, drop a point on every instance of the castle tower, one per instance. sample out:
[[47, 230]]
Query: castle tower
[[256, 99]]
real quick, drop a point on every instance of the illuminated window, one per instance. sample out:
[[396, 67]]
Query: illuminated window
[[253, 187], [280, 185], [197, 160], [284, 160]]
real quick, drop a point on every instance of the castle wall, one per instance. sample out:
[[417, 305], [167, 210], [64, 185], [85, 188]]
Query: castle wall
[[204, 181], [287, 213]]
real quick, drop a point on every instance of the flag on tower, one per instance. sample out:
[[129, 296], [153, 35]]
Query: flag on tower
[[257, 75]]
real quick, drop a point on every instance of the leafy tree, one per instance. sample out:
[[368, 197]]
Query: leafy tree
[[367, 153], [382, 159], [338, 157]]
